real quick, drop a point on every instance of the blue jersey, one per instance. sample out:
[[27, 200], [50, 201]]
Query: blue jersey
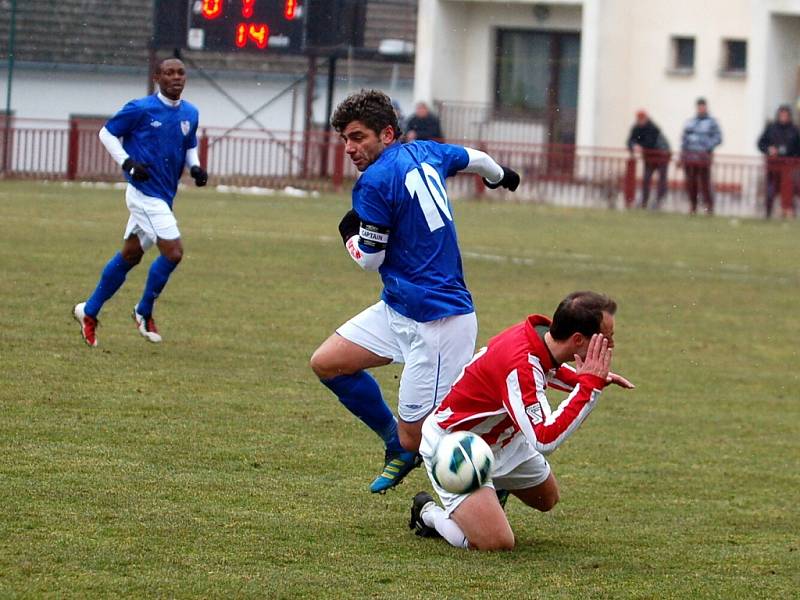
[[404, 191], [159, 136]]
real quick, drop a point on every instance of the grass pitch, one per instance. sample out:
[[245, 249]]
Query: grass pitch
[[215, 465]]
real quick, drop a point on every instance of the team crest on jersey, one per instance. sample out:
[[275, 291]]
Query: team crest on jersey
[[185, 126], [535, 413]]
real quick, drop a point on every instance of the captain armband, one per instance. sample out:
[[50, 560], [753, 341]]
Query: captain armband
[[373, 236]]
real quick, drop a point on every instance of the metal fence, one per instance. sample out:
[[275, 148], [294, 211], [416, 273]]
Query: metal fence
[[554, 174]]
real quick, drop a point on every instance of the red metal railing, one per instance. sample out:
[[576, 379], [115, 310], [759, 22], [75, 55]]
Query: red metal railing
[[556, 174]]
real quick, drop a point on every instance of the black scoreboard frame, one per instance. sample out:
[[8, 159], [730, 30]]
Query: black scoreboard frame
[[259, 26]]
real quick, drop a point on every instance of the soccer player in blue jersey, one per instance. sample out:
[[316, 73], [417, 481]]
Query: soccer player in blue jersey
[[401, 225], [159, 139]]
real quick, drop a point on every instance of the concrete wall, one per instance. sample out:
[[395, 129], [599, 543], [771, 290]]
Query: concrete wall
[[53, 94], [456, 40], [634, 67], [626, 58]]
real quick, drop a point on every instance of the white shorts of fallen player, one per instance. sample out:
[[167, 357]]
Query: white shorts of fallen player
[[434, 352], [517, 466], [151, 219]]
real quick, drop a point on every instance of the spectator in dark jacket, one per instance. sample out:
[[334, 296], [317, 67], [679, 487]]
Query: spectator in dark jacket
[[780, 141], [646, 139], [701, 135], [423, 125]]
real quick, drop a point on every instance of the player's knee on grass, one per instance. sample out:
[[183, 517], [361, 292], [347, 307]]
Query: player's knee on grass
[[484, 522], [501, 541]]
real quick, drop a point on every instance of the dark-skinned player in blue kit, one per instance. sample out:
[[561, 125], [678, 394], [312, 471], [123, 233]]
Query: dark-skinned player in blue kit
[[152, 139], [401, 225]]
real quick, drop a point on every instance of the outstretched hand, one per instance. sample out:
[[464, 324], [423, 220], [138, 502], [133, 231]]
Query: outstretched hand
[[620, 381], [510, 180], [598, 358]]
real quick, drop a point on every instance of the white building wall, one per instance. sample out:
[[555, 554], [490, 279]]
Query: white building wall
[[625, 60], [455, 58], [48, 94]]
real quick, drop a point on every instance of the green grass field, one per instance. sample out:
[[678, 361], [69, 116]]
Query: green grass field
[[215, 465]]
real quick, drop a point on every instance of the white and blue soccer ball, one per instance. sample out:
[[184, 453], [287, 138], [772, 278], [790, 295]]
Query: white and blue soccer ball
[[462, 462]]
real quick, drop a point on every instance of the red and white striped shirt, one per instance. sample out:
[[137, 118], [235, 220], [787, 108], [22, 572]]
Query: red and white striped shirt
[[501, 392]]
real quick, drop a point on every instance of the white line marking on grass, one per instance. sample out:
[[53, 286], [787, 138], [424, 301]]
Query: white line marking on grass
[[725, 271]]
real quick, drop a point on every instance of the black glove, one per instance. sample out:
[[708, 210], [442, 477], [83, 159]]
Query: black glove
[[137, 170], [199, 175], [510, 180], [349, 225]]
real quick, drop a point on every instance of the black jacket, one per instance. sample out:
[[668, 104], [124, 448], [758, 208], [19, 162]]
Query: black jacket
[[785, 137], [645, 135], [426, 128]]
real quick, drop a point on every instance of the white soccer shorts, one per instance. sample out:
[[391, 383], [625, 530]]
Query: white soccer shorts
[[517, 466], [434, 352], [151, 219]]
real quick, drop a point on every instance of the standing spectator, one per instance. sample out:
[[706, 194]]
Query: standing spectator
[[401, 118], [424, 125], [780, 141], [701, 135], [647, 140]]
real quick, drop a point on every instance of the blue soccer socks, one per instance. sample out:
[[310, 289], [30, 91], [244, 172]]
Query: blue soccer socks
[[362, 396], [111, 279], [157, 278]]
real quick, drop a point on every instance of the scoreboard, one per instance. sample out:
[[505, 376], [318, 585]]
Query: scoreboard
[[260, 26], [253, 25]]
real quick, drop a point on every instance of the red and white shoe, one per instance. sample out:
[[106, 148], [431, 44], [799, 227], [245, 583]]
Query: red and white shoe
[[88, 324], [146, 326]]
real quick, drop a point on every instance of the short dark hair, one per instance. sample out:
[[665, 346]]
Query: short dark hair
[[581, 312], [160, 63], [701, 101], [372, 107]]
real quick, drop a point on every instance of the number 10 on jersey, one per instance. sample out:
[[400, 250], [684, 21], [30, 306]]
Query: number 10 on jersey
[[430, 194]]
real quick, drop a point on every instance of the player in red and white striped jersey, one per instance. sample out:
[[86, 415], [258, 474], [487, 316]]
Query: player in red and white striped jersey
[[500, 396]]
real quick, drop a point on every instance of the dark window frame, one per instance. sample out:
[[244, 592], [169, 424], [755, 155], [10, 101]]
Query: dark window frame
[[681, 48], [734, 56]]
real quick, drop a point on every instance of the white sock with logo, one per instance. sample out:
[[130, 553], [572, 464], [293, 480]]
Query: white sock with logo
[[434, 516]]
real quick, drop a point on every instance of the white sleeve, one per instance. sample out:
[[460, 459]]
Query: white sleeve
[[113, 145], [369, 261], [192, 158], [484, 165]]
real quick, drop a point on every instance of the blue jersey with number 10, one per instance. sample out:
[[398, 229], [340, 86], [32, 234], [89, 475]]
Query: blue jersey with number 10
[[404, 191]]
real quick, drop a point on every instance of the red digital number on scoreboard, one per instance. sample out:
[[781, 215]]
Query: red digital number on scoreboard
[[257, 33], [211, 9], [248, 24]]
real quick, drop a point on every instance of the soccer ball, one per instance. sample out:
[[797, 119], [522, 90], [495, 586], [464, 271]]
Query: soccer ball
[[462, 462]]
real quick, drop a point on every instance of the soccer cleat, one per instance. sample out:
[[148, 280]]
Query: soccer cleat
[[396, 466], [146, 326], [88, 324], [421, 500]]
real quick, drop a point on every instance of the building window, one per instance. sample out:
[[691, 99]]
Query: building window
[[537, 78], [734, 56], [682, 54]]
